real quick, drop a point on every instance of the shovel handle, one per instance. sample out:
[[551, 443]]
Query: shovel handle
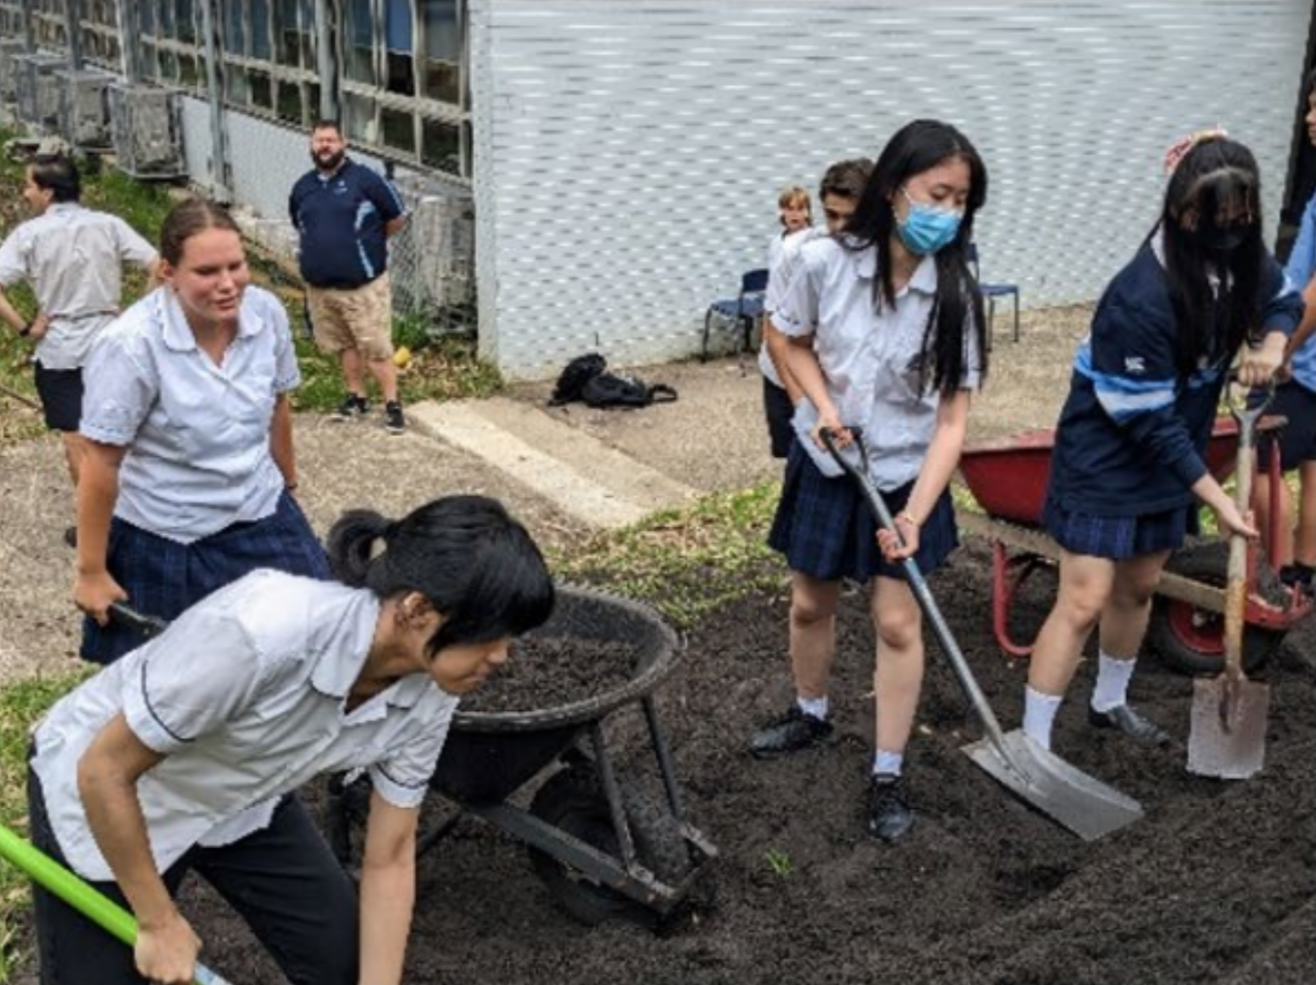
[[922, 594], [1236, 573], [148, 626], [92, 904]]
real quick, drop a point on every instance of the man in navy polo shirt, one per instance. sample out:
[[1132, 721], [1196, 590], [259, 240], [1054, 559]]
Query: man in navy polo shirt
[[345, 213]]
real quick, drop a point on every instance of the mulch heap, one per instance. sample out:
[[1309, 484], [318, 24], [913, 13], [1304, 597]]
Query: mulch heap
[[1217, 884], [551, 671]]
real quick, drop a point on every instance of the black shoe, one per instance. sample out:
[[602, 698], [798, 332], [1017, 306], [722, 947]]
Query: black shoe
[[889, 814], [1128, 721], [791, 732], [394, 422], [352, 408], [71, 536]]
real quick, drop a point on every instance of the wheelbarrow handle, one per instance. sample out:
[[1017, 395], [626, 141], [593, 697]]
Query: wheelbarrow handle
[[919, 586], [125, 615], [92, 904]]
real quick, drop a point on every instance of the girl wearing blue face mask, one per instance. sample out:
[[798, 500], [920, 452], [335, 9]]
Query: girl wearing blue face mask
[[886, 326]]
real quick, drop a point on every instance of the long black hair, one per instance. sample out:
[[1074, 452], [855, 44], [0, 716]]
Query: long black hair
[[1218, 178], [477, 566], [917, 147]]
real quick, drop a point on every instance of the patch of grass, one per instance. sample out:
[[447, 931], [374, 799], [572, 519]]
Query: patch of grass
[[779, 863], [21, 705], [689, 562]]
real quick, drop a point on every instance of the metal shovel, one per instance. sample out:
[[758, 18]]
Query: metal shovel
[[1227, 737], [95, 906], [1079, 802]]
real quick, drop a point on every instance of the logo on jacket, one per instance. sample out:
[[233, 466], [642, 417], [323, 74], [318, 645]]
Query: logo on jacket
[[1135, 364]]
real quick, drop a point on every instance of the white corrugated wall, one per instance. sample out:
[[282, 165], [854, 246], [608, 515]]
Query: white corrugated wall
[[628, 152]]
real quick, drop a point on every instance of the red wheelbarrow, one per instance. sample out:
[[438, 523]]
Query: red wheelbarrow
[[1008, 478]]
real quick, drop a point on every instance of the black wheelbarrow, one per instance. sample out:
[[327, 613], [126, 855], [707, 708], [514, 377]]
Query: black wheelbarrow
[[603, 846]]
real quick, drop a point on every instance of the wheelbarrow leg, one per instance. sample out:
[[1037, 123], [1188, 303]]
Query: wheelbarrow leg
[[1008, 576], [664, 754], [613, 793]]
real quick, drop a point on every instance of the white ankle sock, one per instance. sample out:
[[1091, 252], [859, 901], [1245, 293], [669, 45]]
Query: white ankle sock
[[817, 707], [1039, 715], [1113, 676], [888, 763]]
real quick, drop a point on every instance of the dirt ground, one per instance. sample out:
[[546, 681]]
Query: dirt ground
[[1216, 884]]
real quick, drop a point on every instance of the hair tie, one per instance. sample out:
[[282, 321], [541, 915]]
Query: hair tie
[[1179, 150]]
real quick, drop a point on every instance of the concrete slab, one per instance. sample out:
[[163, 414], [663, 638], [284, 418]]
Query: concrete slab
[[580, 475]]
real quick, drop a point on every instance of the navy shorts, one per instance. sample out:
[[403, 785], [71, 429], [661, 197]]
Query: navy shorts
[[779, 410], [826, 529], [60, 391], [1297, 442], [163, 577], [1119, 538]]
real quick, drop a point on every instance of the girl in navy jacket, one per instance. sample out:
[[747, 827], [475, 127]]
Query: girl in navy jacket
[[1128, 475]]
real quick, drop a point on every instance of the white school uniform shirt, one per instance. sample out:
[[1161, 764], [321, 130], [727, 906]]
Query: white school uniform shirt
[[869, 356], [780, 265], [244, 695], [198, 434], [73, 258]]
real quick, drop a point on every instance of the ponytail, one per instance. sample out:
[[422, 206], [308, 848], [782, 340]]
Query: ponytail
[[351, 545]]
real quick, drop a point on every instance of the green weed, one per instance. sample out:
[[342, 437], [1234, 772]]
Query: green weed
[[779, 863]]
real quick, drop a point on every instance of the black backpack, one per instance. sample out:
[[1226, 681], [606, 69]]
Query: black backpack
[[586, 378]]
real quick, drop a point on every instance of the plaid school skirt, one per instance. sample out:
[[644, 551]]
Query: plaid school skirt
[[826, 530], [1118, 538], [163, 577]]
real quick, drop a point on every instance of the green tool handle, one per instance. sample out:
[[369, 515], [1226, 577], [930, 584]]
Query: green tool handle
[[106, 914]]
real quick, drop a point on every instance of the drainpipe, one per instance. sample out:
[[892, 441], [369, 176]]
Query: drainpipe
[[324, 63], [29, 32], [219, 190], [74, 26], [131, 38]]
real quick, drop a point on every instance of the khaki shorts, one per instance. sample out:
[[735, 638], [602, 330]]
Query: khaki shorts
[[360, 318]]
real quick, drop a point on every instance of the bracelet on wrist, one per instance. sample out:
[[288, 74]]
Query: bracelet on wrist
[[25, 331], [907, 517], [290, 486]]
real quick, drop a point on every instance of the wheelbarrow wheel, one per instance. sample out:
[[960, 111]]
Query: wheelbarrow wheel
[[1190, 639], [573, 801]]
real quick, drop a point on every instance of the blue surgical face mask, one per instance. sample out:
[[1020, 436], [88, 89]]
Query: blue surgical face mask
[[926, 228]]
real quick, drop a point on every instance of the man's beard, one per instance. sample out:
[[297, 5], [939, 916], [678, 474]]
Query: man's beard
[[329, 162]]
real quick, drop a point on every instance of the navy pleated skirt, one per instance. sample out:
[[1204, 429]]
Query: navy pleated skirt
[[826, 529], [1119, 538], [163, 577]]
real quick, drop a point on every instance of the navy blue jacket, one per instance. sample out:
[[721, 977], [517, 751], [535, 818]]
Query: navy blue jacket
[[1133, 432], [341, 220]]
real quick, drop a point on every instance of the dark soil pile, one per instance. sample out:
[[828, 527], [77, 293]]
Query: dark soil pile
[[1215, 885], [550, 671]]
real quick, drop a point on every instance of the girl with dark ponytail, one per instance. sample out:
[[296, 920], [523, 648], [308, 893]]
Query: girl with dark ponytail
[[248, 695], [886, 331]]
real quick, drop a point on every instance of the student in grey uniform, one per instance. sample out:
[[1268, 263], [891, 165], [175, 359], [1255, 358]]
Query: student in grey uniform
[[72, 257], [190, 469], [184, 755]]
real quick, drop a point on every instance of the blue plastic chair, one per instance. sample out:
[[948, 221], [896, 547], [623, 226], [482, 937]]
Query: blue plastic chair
[[991, 292], [741, 311]]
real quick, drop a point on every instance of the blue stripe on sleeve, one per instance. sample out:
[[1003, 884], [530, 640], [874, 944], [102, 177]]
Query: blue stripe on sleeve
[[1121, 397]]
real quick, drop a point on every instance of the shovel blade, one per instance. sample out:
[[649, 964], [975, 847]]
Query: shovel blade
[[1079, 802], [1228, 735]]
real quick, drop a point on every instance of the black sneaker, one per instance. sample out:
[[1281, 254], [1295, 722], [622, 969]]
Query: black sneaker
[[353, 408], [394, 422], [889, 814], [791, 732], [1139, 729]]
